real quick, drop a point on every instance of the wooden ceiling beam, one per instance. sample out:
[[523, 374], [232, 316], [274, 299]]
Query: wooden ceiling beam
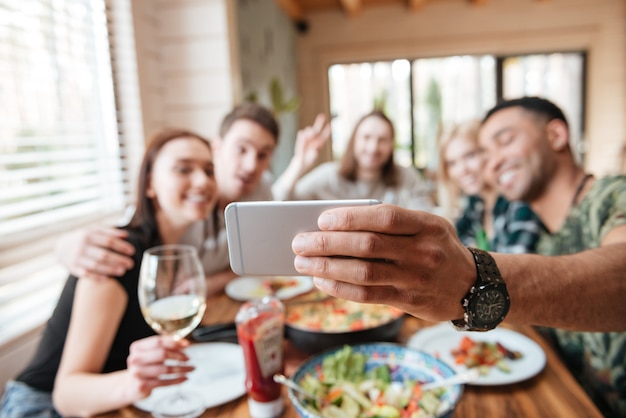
[[476, 2], [351, 7], [415, 5], [292, 9]]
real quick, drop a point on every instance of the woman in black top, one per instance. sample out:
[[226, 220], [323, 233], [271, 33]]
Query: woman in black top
[[97, 352]]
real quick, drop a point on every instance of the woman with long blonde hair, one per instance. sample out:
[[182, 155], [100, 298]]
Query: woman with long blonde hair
[[487, 220]]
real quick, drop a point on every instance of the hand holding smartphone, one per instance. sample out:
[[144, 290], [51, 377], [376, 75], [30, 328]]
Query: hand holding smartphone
[[260, 233]]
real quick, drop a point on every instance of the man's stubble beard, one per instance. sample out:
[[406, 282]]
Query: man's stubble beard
[[539, 182]]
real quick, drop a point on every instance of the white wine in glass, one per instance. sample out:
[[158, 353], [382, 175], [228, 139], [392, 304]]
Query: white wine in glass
[[172, 297], [175, 315]]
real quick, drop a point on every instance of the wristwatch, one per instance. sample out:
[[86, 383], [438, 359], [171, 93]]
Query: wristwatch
[[487, 302]]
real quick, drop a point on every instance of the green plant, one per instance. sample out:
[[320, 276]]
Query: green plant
[[277, 96]]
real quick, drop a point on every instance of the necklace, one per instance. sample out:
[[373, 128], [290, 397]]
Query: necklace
[[580, 188]]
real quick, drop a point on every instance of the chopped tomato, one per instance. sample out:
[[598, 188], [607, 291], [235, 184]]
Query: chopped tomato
[[460, 358], [417, 392], [293, 316], [314, 325], [358, 324], [412, 407], [466, 343], [481, 353], [334, 396]]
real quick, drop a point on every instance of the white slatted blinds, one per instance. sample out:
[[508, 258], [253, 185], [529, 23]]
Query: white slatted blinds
[[70, 138], [59, 148]]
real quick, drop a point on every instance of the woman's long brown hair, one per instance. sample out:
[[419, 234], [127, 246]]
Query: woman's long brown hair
[[348, 167], [144, 217]]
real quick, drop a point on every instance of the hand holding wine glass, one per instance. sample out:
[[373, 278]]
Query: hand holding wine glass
[[172, 294]]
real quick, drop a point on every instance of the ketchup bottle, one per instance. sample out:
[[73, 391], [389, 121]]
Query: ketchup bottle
[[260, 329]]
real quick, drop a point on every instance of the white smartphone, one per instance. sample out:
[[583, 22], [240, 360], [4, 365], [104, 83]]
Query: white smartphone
[[260, 233]]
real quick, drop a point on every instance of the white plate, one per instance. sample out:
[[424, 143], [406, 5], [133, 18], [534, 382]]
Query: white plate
[[247, 288], [441, 339], [219, 376]]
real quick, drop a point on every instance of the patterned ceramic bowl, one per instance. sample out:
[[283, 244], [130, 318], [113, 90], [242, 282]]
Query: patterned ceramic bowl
[[404, 363]]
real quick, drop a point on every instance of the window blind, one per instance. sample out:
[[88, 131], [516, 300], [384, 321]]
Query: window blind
[[60, 153], [70, 138], [126, 89]]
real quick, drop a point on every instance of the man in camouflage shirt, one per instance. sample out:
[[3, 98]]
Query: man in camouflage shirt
[[597, 359], [415, 261]]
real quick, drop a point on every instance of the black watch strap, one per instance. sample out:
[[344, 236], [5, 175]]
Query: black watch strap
[[487, 272], [486, 268]]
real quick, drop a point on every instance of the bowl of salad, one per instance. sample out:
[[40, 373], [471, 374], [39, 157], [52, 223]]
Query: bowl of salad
[[374, 380]]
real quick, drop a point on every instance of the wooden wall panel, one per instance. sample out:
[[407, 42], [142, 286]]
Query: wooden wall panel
[[189, 78]]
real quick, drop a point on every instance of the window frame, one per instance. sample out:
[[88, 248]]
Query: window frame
[[499, 89]]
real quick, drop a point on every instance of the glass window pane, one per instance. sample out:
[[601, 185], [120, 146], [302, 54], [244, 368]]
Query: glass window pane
[[357, 89], [557, 77], [446, 91], [56, 98]]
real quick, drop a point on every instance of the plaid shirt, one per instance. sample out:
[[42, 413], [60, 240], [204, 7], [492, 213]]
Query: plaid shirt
[[516, 227]]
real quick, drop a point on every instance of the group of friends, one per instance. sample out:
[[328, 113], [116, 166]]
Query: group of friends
[[556, 233]]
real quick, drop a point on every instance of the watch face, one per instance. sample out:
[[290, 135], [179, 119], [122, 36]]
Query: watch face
[[491, 306]]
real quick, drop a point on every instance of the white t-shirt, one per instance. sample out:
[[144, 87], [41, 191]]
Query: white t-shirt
[[325, 183], [209, 236]]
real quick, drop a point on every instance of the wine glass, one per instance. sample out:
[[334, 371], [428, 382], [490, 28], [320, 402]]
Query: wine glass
[[172, 297]]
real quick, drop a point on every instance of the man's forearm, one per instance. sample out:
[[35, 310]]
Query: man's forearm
[[584, 291]]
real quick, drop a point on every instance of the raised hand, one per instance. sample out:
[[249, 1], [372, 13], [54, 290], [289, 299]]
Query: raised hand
[[309, 142]]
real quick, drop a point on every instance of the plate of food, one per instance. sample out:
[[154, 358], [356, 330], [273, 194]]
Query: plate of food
[[283, 287], [502, 356], [219, 376]]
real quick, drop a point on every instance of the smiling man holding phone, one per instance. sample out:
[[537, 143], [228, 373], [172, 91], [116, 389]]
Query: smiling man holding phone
[[575, 290]]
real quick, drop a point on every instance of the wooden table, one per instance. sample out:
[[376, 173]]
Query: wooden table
[[552, 393]]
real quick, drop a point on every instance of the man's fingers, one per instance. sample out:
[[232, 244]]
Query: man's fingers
[[357, 293], [383, 218], [113, 232], [365, 245], [102, 261], [84, 274], [358, 271], [112, 239]]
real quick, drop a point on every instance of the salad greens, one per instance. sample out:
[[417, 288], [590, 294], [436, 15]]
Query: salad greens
[[348, 391]]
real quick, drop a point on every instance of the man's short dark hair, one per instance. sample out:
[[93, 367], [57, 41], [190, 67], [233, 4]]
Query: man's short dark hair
[[253, 112], [536, 105]]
